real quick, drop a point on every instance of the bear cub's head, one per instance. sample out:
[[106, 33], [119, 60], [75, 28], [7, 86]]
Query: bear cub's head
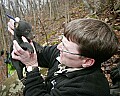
[[23, 28]]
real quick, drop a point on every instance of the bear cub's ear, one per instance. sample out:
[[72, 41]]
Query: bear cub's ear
[[16, 24]]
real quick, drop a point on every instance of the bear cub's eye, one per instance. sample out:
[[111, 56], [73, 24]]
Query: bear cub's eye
[[27, 31]]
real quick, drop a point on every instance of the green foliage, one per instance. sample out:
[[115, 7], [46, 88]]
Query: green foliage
[[11, 69], [51, 34]]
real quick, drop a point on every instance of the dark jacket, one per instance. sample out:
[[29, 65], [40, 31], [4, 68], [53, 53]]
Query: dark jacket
[[86, 82]]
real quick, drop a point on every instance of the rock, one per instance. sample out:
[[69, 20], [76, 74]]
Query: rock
[[12, 86]]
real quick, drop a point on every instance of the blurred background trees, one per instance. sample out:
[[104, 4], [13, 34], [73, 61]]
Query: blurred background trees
[[47, 18]]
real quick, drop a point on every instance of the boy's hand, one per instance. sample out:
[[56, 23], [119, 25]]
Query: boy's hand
[[11, 25], [27, 58]]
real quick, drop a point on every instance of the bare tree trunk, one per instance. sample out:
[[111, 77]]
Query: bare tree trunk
[[3, 31], [67, 19], [50, 6]]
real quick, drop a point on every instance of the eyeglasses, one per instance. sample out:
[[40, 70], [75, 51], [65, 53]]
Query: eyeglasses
[[61, 38], [69, 51]]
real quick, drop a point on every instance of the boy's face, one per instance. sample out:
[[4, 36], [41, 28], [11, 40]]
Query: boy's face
[[69, 54]]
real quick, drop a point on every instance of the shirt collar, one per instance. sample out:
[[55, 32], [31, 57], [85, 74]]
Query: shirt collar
[[64, 69]]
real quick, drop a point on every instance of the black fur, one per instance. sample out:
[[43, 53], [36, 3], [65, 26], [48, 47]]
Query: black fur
[[22, 28]]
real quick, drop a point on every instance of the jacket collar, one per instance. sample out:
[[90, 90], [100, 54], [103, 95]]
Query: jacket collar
[[72, 72]]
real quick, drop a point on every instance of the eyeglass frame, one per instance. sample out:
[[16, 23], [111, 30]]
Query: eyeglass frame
[[69, 51]]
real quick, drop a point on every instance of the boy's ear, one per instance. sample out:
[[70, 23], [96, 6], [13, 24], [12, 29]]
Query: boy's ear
[[16, 24], [88, 62]]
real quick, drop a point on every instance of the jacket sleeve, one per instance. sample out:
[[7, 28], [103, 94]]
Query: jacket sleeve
[[46, 54], [34, 84]]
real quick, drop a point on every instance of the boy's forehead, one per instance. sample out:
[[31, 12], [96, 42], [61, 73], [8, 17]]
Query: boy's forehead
[[64, 38], [69, 43]]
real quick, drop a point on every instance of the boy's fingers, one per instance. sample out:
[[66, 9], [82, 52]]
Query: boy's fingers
[[10, 30], [16, 51], [33, 47], [12, 22], [15, 56], [24, 39], [17, 48], [11, 25]]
